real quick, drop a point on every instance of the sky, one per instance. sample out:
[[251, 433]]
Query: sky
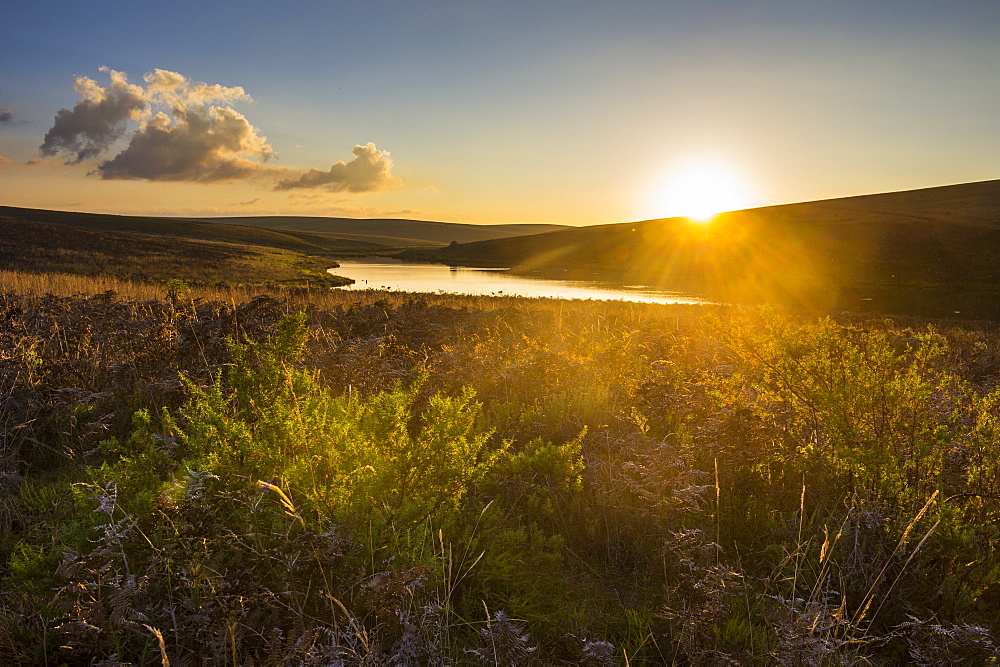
[[571, 112]]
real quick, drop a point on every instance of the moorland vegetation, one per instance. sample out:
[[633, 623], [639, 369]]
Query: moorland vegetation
[[253, 476], [161, 249]]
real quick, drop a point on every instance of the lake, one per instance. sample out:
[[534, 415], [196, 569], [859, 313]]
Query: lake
[[382, 273], [389, 274]]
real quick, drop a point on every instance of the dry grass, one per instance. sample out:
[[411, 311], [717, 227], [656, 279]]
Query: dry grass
[[684, 483], [612, 313]]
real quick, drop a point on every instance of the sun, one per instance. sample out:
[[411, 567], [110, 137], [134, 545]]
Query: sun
[[701, 188]]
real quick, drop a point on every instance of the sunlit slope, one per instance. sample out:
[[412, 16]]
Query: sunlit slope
[[945, 236], [390, 231]]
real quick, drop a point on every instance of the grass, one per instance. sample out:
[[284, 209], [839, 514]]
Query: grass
[[44, 247], [283, 476]]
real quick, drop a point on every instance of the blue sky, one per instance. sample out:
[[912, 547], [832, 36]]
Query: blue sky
[[570, 112]]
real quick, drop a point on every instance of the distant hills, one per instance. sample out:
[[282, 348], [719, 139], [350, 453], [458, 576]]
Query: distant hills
[[155, 226], [157, 249], [941, 244], [266, 249], [389, 231], [809, 253]]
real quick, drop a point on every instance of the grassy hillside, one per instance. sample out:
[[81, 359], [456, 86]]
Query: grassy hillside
[[390, 231], [156, 249], [188, 229], [808, 253]]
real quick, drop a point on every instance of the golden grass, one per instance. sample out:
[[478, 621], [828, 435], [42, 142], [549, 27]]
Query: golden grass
[[70, 285], [670, 405]]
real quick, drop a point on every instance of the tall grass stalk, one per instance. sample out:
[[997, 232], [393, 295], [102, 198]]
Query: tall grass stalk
[[869, 597]]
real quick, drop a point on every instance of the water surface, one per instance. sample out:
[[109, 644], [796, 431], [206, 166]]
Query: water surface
[[385, 273]]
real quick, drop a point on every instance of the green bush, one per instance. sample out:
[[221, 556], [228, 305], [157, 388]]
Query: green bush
[[643, 485]]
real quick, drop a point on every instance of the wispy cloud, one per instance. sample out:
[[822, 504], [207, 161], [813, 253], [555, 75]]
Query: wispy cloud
[[369, 171], [4, 161], [370, 212], [300, 198], [182, 130], [41, 163], [5, 116]]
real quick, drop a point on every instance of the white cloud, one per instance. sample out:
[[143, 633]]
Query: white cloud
[[97, 120], [208, 145], [369, 171], [186, 130], [178, 92]]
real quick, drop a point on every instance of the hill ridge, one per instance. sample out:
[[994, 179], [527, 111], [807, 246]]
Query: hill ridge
[[396, 231], [806, 253]]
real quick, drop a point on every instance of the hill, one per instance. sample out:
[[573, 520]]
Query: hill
[[808, 253], [267, 249], [390, 231], [159, 248], [179, 227]]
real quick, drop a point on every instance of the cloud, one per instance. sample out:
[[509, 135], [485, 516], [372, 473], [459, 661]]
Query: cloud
[[368, 212], [369, 171], [177, 92], [182, 130], [97, 120], [5, 116], [207, 145], [301, 199], [5, 161]]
